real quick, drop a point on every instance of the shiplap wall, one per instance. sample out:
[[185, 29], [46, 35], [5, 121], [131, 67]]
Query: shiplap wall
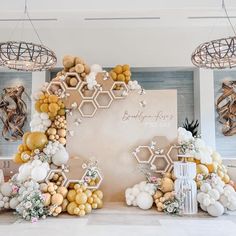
[[11, 79], [180, 80], [226, 145]]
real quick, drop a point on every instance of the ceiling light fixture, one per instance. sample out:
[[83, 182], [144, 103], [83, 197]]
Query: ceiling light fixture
[[217, 54], [27, 56]]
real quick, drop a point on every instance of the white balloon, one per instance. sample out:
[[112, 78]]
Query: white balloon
[[60, 157], [96, 68], [44, 116], [13, 203], [214, 194], [6, 189], [38, 173], [36, 163], [144, 200], [215, 209]]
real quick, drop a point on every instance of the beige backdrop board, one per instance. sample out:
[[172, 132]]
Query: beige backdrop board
[[112, 135]]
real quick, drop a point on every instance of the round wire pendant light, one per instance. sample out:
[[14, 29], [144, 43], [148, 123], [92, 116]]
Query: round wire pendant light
[[25, 56], [216, 54]]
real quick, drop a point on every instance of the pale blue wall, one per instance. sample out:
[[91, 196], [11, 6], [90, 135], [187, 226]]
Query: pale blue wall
[[180, 80], [9, 79]]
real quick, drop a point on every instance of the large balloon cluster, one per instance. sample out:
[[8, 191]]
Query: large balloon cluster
[[216, 191], [41, 188]]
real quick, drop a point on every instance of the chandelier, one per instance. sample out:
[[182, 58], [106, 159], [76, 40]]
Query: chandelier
[[216, 54], [27, 56]]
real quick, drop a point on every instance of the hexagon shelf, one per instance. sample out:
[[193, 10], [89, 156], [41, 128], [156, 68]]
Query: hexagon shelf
[[143, 154], [161, 163], [69, 77], [105, 82], [87, 108], [103, 99], [119, 90], [56, 176], [55, 85], [92, 182], [86, 93]]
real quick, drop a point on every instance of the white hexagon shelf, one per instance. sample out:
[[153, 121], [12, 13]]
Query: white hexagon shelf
[[143, 154], [87, 108], [103, 99], [119, 90], [92, 183], [74, 75], [172, 149], [72, 181], [50, 175], [161, 163], [55, 85], [86, 93]]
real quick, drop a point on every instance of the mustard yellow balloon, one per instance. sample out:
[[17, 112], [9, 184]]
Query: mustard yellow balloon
[[25, 156], [17, 158], [25, 137], [36, 140]]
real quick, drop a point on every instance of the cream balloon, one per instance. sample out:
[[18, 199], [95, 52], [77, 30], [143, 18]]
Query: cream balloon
[[144, 201]]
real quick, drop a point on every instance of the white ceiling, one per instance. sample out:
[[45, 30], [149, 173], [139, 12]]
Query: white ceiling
[[165, 42], [73, 13]]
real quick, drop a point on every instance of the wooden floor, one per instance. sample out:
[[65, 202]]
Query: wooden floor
[[117, 219]]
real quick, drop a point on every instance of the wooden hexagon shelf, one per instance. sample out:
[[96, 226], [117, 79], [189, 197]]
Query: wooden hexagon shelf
[[106, 83], [119, 90], [92, 182], [161, 163], [52, 173], [72, 75], [86, 93], [55, 85], [87, 108], [143, 154], [103, 99], [172, 152]]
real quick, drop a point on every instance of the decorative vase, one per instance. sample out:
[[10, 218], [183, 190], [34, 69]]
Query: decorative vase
[[185, 186]]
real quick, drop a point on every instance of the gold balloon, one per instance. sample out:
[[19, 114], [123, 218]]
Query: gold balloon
[[81, 198], [99, 193], [71, 207], [71, 195], [57, 199], [17, 158], [25, 137], [36, 140], [25, 156], [88, 208]]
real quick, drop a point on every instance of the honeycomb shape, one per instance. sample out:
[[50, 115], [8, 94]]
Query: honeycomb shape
[[55, 85], [119, 90], [103, 99], [143, 154], [49, 177], [172, 156], [87, 108], [104, 81], [94, 180], [86, 93], [71, 182], [161, 163], [75, 75]]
